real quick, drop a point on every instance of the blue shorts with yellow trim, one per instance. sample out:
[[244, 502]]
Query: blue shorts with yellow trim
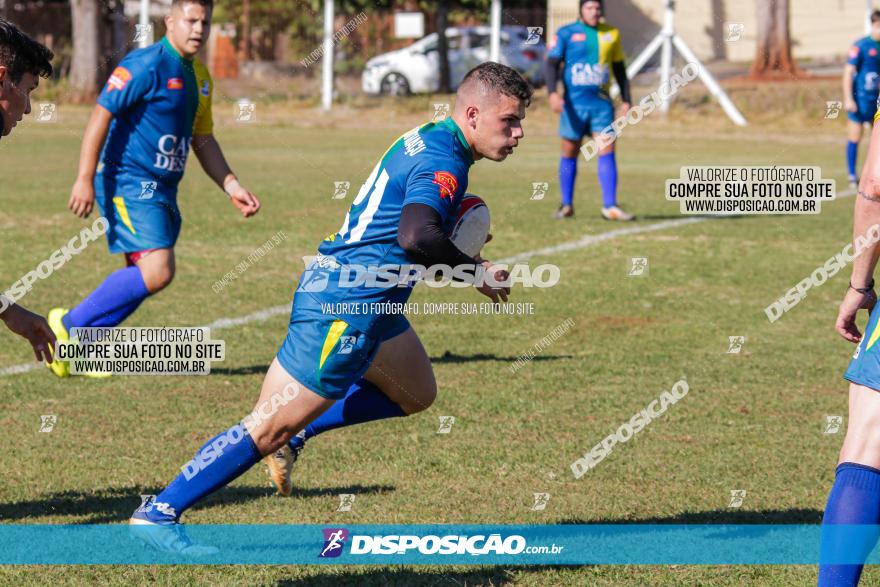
[[323, 352], [864, 368], [141, 216], [586, 117]]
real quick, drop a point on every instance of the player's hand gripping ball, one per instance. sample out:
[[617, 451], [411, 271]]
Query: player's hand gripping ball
[[471, 229]]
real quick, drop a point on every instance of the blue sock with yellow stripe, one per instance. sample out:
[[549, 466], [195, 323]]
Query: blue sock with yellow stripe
[[364, 402], [114, 301]]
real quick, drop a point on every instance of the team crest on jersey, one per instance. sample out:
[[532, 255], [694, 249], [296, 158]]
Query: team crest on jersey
[[608, 37], [853, 52], [206, 88], [118, 79], [447, 182], [872, 52], [175, 83]]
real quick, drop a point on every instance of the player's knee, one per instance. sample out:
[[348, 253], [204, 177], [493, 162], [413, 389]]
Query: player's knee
[[609, 148], [420, 401], [158, 278]]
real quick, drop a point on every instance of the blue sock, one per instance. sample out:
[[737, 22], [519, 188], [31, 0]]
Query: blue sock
[[364, 403], [114, 300], [568, 168], [854, 499], [220, 461], [852, 153], [608, 179]]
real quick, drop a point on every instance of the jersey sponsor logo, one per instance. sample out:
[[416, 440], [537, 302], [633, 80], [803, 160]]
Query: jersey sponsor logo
[[447, 182], [578, 37], [413, 143], [175, 83], [871, 81], [206, 88], [172, 153], [118, 79], [587, 74], [853, 52], [872, 52]]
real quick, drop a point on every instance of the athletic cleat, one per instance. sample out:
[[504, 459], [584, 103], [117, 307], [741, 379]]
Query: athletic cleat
[[615, 213], [166, 536], [59, 368], [281, 463], [564, 212]]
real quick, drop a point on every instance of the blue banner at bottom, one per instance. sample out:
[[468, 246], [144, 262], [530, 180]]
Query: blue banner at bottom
[[618, 544]]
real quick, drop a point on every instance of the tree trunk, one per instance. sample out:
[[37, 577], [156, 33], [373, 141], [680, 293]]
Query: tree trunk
[[442, 47], [84, 62], [773, 46]]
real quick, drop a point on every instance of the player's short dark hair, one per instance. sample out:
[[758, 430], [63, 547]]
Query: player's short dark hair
[[21, 54], [581, 6], [209, 4], [501, 79], [875, 16]]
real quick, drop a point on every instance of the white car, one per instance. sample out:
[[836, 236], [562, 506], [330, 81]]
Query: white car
[[416, 69]]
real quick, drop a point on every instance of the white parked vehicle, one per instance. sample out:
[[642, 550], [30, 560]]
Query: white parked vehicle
[[416, 69]]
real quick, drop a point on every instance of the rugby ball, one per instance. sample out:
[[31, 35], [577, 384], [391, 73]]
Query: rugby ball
[[471, 226]]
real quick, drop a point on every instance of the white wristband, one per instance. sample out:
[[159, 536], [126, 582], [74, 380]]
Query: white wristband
[[231, 186]]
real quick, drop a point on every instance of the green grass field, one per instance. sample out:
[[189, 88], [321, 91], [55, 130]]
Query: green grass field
[[751, 421]]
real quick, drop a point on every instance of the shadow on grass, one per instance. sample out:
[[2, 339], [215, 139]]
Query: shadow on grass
[[373, 576], [250, 370], [726, 516], [448, 357], [117, 504]]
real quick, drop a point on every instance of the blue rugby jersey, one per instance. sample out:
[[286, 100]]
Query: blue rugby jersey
[[587, 53], [427, 165], [865, 56], [159, 100]]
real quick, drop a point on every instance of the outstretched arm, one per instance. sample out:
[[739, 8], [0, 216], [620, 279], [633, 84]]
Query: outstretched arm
[[208, 151]]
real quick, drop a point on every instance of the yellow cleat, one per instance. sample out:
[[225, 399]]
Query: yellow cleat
[[59, 368]]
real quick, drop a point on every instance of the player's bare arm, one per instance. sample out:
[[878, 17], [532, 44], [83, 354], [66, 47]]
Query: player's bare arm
[[859, 293], [82, 196], [210, 155]]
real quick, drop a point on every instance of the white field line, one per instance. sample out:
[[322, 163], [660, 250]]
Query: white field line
[[582, 243]]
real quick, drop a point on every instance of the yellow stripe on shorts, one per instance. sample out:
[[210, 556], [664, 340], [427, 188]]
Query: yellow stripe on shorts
[[875, 334], [119, 202], [336, 330]]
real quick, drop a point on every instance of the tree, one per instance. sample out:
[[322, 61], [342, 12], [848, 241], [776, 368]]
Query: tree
[[773, 47], [84, 61]]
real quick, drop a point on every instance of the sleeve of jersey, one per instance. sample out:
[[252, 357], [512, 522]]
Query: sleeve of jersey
[[126, 86], [853, 56], [557, 48], [617, 53], [204, 123], [435, 183]]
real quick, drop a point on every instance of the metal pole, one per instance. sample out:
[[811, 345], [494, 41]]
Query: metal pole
[[146, 38], [666, 54], [495, 37], [327, 71]]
